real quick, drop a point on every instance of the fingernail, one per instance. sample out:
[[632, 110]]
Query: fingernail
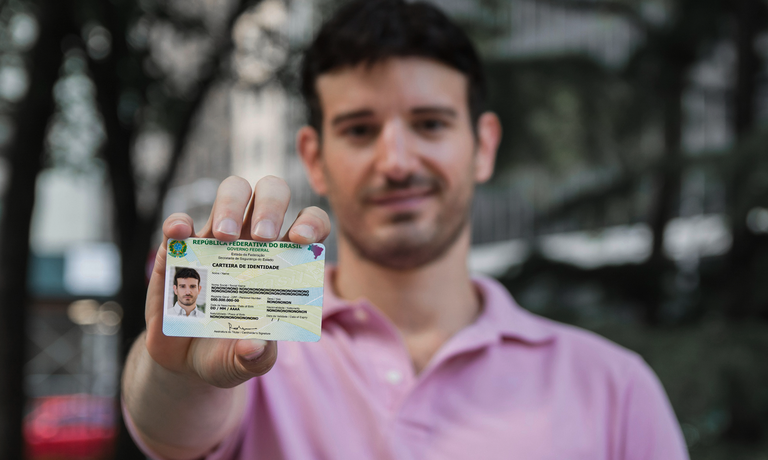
[[265, 229], [227, 226], [305, 231], [258, 349]]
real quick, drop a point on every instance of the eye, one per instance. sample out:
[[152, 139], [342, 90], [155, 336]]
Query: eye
[[431, 125], [359, 131]]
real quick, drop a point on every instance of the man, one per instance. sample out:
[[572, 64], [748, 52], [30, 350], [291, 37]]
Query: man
[[186, 287], [416, 360]]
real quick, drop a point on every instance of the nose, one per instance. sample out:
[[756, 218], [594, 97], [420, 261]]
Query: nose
[[394, 156]]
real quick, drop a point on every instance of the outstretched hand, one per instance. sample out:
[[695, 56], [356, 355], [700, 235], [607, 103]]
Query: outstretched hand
[[238, 213]]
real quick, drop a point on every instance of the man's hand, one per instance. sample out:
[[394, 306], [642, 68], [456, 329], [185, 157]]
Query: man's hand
[[237, 213], [183, 395]]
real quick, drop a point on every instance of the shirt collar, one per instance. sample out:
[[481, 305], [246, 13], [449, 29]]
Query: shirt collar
[[501, 315], [178, 311], [332, 304]]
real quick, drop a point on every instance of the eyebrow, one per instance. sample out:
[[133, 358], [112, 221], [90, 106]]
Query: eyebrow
[[341, 118], [364, 113], [435, 110]]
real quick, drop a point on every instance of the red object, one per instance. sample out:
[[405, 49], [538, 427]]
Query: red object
[[67, 427]]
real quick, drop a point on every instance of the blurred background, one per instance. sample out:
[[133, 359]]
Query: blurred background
[[631, 193]]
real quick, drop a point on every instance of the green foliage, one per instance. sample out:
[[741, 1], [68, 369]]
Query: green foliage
[[568, 112]]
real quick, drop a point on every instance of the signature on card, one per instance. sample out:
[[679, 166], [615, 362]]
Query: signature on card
[[239, 328]]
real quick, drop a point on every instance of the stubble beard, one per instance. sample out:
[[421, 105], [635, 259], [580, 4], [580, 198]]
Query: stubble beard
[[192, 301], [404, 253], [408, 247]]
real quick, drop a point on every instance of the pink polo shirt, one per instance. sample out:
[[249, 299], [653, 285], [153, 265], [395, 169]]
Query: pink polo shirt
[[511, 385]]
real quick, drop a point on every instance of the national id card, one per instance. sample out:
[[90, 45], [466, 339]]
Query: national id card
[[244, 289]]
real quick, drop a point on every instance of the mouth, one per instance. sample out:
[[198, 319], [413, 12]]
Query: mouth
[[402, 199]]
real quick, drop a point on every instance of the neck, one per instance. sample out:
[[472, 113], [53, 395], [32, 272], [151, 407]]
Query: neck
[[428, 304], [187, 308]]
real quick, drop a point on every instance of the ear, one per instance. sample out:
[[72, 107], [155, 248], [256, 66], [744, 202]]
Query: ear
[[175, 291], [489, 136], [308, 145]]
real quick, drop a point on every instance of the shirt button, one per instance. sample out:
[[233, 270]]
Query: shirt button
[[361, 315], [394, 376]]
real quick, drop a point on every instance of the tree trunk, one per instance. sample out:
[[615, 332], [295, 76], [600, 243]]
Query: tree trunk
[[667, 183], [747, 65], [668, 178], [741, 278], [25, 161]]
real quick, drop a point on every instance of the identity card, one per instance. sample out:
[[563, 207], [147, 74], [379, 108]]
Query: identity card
[[244, 289]]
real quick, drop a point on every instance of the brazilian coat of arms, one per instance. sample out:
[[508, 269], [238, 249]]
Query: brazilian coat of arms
[[177, 248]]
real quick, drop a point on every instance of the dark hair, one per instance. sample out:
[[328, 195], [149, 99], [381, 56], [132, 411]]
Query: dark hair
[[186, 273], [371, 31]]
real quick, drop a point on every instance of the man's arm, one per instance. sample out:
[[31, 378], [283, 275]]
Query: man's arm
[[184, 395], [177, 415]]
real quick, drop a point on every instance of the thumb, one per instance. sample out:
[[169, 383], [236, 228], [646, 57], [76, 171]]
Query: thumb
[[255, 357]]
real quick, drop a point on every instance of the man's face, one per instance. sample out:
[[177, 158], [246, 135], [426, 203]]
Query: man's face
[[398, 158], [187, 290]]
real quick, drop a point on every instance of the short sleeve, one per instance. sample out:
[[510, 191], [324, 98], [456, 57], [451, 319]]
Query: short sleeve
[[650, 429]]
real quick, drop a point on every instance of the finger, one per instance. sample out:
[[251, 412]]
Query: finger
[[165, 350], [227, 363], [226, 218], [270, 202], [311, 226], [255, 357], [177, 226], [245, 229]]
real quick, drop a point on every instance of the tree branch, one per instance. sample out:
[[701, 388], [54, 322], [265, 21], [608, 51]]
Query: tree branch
[[216, 61], [603, 6], [626, 182]]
